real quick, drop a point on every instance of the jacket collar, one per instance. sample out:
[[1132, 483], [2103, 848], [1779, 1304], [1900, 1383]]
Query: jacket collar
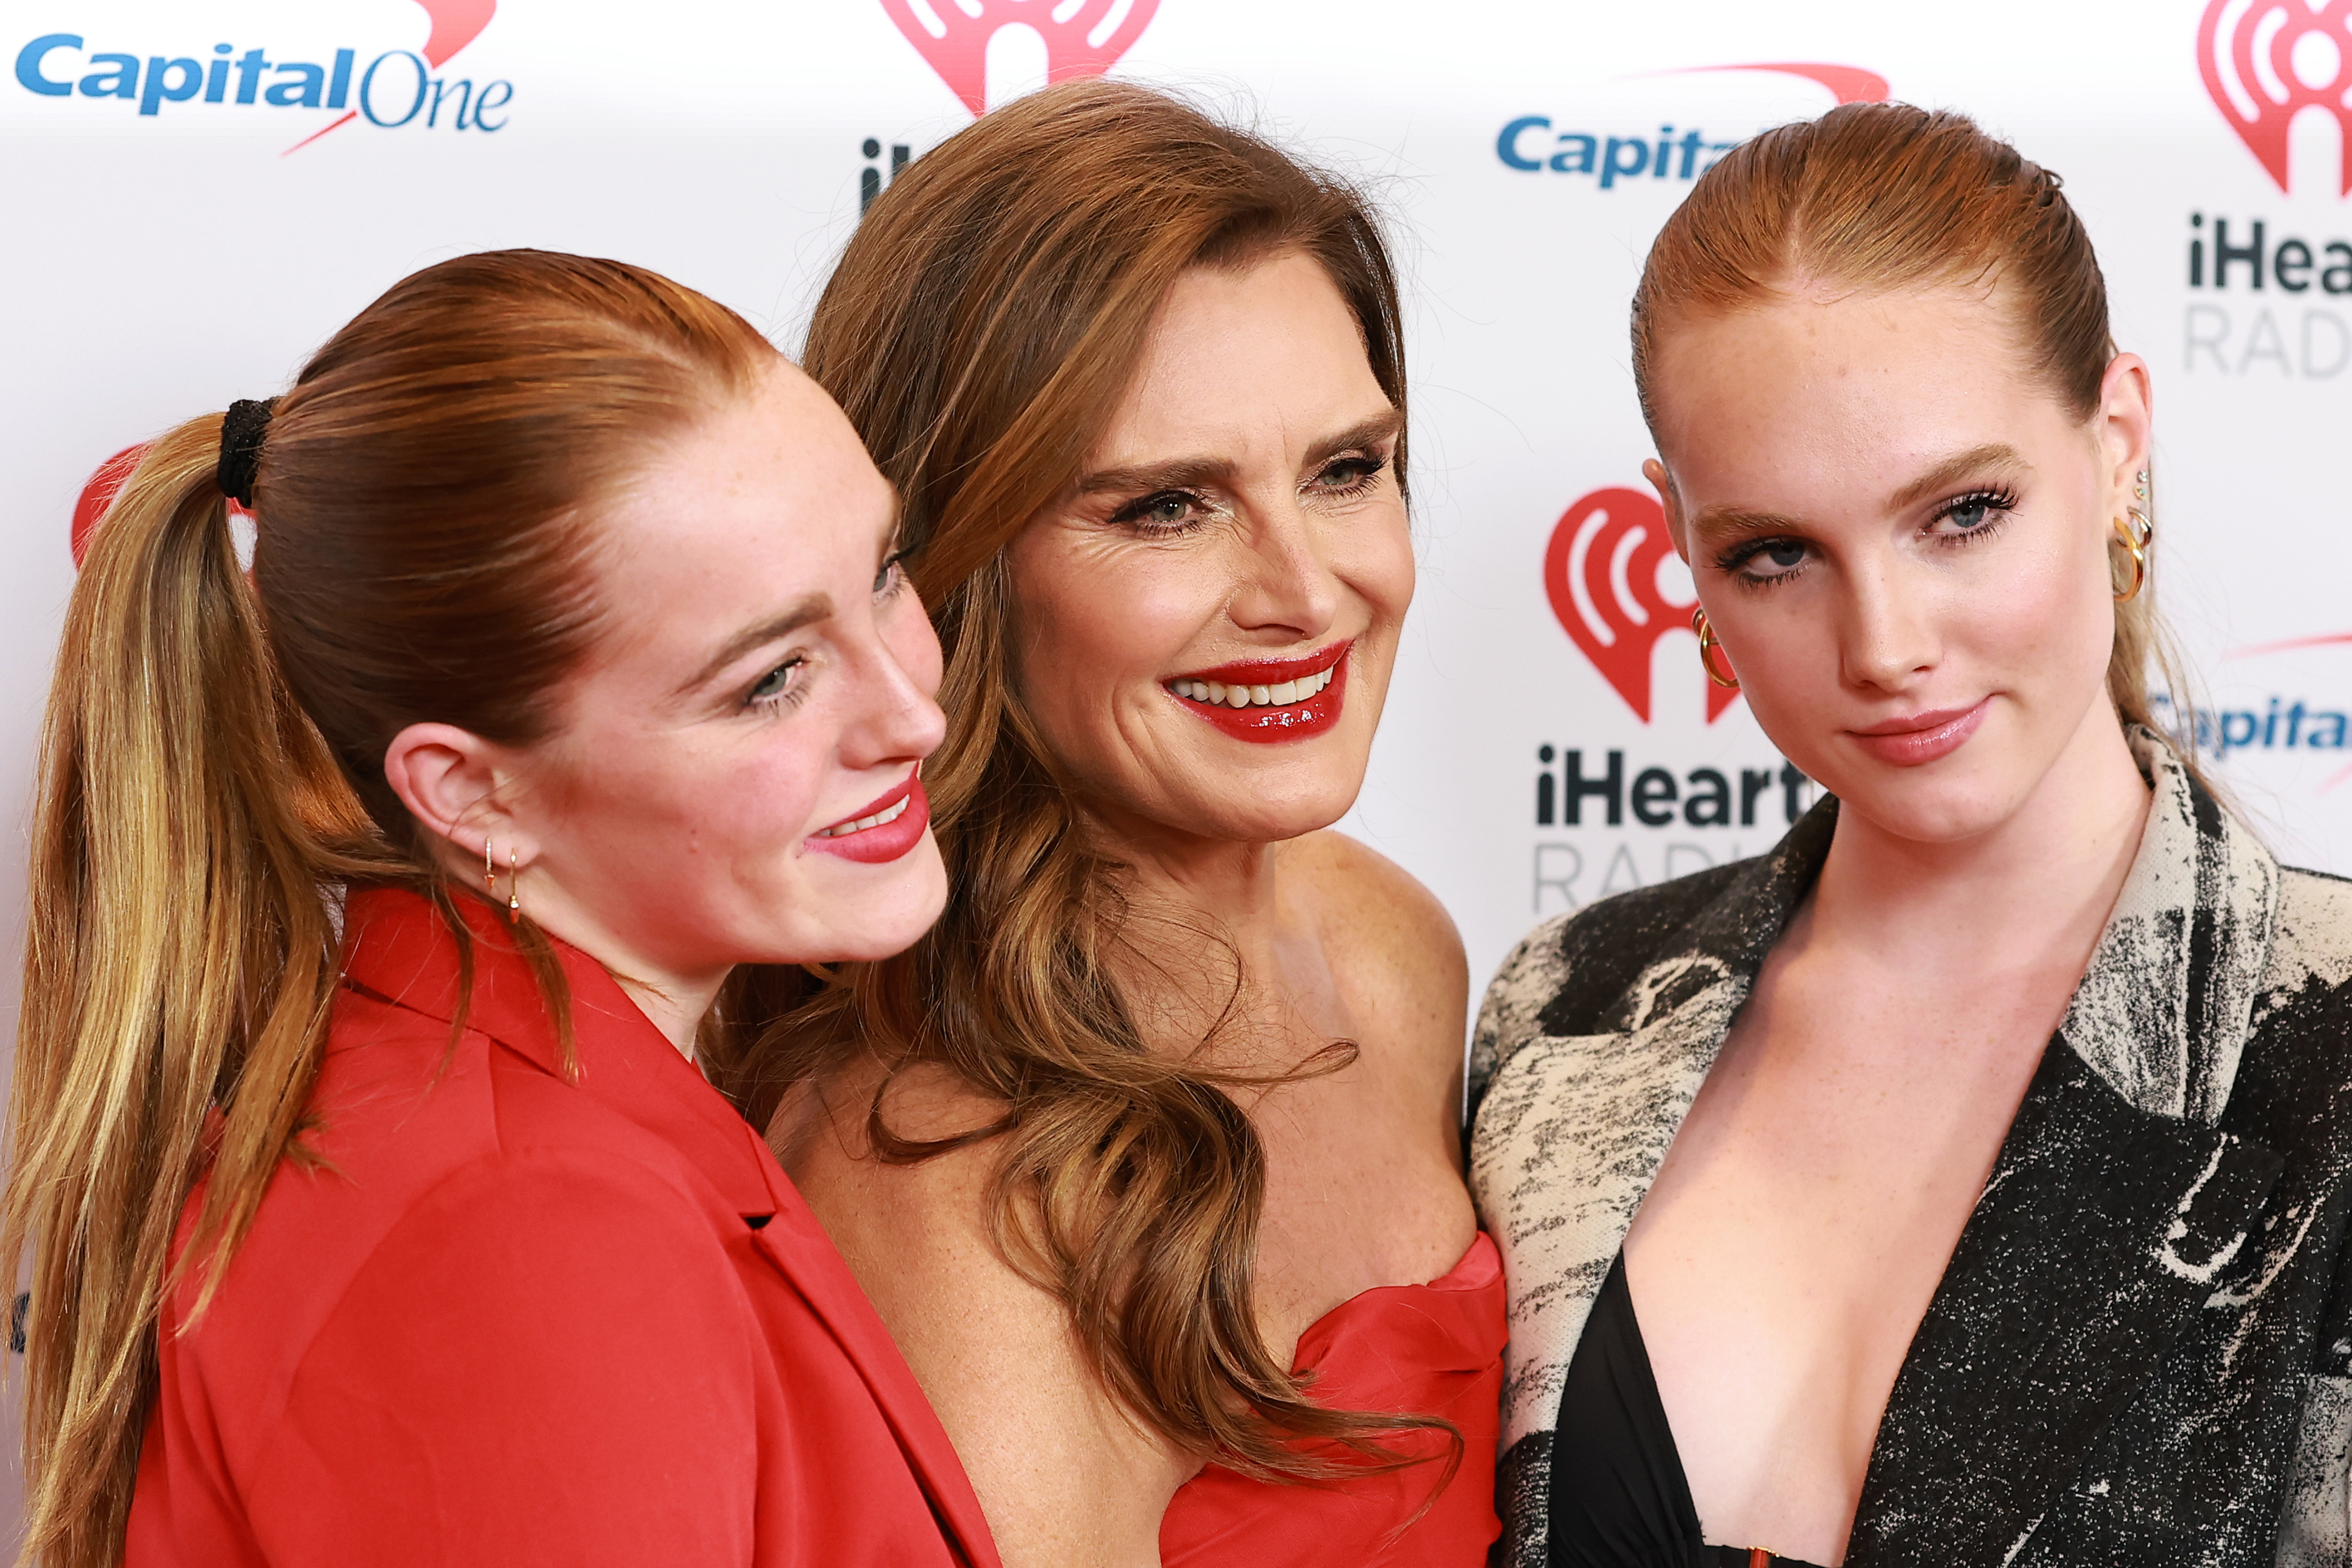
[[2163, 1012], [397, 947]]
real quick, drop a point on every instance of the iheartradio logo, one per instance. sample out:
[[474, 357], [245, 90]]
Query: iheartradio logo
[[2265, 61], [1601, 573], [954, 36]]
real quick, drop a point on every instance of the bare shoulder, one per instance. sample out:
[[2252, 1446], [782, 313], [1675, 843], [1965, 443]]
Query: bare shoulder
[[1373, 908], [1388, 938]]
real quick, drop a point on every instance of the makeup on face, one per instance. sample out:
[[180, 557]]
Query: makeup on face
[[1266, 701], [881, 830], [1922, 737]]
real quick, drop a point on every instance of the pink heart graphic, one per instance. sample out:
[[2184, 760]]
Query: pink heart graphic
[[2279, 57], [959, 52], [456, 24]]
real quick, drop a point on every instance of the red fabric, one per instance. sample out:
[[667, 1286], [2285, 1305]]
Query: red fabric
[[515, 1321], [1431, 1349]]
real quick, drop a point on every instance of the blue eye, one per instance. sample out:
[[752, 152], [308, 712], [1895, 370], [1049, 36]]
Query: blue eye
[[776, 685], [892, 573]]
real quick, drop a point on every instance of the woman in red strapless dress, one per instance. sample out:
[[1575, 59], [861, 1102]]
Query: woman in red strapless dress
[[1149, 1154]]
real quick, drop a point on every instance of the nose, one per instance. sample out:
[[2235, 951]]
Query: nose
[[1888, 637], [1287, 583], [892, 717]]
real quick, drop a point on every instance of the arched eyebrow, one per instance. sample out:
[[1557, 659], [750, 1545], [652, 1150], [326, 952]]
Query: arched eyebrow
[[1993, 460], [813, 608], [1197, 473]]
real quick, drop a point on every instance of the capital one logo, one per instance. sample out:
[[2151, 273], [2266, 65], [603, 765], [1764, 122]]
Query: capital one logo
[[2265, 61], [1084, 40], [1601, 573]]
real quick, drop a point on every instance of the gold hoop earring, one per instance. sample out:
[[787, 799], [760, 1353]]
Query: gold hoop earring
[[514, 884], [2137, 533], [1708, 644]]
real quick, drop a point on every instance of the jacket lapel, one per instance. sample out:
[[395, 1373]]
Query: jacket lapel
[[2114, 1209], [2097, 1242], [397, 947], [794, 1241], [1571, 1131]]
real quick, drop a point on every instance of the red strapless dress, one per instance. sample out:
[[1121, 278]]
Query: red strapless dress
[[1432, 1350]]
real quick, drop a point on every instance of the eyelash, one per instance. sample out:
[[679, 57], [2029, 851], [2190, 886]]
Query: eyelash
[[1132, 515], [790, 695], [1997, 499]]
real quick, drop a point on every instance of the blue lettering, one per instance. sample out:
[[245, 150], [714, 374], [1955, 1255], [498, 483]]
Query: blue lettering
[[310, 82], [367, 87], [484, 103], [1613, 165], [465, 91], [160, 91], [2235, 735], [1587, 149], [1506, 145], [28, 64], [122, 82], [2331, 739], [216, 79], [249, 68], [339, 90]]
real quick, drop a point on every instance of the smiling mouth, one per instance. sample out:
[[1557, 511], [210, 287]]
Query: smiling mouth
[[1283, 693], [881, 818]]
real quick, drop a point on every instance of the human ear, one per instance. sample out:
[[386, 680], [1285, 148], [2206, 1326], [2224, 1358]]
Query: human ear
[[2125, 425], [451, 781], [1662, 483]]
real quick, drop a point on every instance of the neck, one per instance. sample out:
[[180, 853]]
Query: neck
[[2037, 889], [1180, 884], [673, 1003]]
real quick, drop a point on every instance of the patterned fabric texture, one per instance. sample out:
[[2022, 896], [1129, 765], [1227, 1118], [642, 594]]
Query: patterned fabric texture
[[2141, 1351]]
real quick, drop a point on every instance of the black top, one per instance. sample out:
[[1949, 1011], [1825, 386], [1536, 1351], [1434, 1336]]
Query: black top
[[1619, 1498]]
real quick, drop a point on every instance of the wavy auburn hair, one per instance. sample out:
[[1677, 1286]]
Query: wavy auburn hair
[[980, 331], [212, 776], [1885, 196]]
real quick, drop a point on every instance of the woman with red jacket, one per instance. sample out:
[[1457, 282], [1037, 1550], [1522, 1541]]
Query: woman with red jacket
[[396, 914]]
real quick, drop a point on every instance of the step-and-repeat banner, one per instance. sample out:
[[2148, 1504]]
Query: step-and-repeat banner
[[201, 190]]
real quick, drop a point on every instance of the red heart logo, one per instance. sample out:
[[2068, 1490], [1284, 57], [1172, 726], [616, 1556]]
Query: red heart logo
[[1601, 573], [958, 51], [2277, 58]]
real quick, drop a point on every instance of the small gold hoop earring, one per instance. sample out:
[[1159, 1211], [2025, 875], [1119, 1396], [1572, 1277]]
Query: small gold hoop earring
[[1708, 644], [2135, 532], [514, 886]]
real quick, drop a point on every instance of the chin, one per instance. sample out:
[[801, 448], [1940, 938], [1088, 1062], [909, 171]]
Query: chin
[[868, 925], [1930, 811]]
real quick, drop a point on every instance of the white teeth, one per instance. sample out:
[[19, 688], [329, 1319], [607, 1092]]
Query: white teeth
[[879, 818], [1218, 695]]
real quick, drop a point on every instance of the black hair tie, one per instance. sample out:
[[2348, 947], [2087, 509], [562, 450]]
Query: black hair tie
[[242, 429]]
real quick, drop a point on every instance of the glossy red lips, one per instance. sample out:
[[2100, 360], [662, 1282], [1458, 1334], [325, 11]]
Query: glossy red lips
[[1267, 722], [1923, 738], [884, 841]]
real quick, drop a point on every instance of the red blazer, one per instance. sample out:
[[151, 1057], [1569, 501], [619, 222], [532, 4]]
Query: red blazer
[[514, 1320]]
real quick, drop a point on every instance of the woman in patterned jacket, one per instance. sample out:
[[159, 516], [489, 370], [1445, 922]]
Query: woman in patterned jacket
[[1966, 1180]]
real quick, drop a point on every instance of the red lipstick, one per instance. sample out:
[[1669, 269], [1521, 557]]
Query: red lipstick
[[1923, 738], [894, 824], [1282, 699]]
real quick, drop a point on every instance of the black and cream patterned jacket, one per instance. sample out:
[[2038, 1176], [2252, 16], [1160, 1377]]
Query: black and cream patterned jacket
[[2141, 1351]]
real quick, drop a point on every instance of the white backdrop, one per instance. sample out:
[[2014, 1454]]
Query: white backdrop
[[174, 248]]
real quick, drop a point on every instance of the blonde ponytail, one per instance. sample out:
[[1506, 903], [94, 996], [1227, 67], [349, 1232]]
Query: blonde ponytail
[[180, 958]]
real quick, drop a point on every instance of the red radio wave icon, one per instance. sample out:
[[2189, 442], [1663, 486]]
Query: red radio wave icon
[[1600, 572], [958, 50], [2265, 60]]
